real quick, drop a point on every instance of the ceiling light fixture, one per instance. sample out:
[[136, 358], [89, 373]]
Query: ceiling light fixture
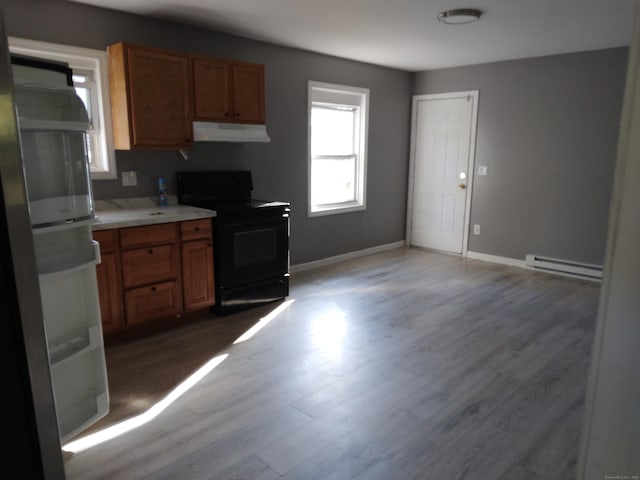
[[459, 16]]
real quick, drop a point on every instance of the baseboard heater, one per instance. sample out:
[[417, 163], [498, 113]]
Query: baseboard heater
[[564, 267]]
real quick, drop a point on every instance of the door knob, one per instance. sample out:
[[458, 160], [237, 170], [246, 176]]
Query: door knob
[[462, 186]]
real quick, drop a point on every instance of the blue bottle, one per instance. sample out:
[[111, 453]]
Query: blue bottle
[[162, 187]]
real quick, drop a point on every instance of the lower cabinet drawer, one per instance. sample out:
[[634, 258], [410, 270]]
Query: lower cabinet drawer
[[148, 265], [136, 237], [152, 302], [193, 229]]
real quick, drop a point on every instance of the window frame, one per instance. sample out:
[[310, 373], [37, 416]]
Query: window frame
[[82, 59], [329, 94]]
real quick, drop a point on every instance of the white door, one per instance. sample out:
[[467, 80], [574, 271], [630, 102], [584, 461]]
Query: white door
[[443, 139]]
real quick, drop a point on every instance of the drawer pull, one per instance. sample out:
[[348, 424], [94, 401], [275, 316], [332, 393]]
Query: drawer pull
[[153, 289], [197, 229], [150, 251]]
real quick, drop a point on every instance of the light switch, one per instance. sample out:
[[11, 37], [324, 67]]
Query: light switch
[[482, 170], [129, 179]]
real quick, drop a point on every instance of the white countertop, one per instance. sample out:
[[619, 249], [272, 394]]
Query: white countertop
[[132, 217]]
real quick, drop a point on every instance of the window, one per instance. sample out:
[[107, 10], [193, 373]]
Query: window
[[90, 82], [337, 148]]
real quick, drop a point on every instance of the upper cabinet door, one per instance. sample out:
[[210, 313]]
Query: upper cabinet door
[[150, 97], [248, 92], [212, 89], [227, 91]]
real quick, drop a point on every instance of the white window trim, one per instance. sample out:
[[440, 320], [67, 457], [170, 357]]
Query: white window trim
[[79, 57], [340, 94]]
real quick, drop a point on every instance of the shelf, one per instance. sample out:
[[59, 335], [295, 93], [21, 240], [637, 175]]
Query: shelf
[[85, 341], [80, 390], [65, 250], [82, 414], [62, 211], [70, 306]]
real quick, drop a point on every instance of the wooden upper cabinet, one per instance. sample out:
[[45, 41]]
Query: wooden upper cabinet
[[151, 97], [211, 89], [228, 91], [248, 92]]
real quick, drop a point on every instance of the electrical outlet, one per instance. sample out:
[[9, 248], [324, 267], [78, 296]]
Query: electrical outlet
[[483, 170], [476, 229], [129, 179]]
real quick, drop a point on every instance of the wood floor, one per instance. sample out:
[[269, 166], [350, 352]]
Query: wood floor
[[401, 365]]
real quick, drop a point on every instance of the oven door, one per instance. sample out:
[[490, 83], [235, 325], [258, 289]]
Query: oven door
[[251, 249]]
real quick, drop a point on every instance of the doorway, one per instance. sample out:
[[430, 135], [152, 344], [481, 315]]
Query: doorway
[[443, 135]]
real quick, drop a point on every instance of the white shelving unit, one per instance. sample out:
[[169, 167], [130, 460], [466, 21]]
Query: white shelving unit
[[69, 293], [53, 124]]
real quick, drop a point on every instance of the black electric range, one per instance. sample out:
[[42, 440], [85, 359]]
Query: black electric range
[[250, 237]]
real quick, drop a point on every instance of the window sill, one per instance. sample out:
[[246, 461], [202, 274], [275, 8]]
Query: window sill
[[334, 210], [110, 175]]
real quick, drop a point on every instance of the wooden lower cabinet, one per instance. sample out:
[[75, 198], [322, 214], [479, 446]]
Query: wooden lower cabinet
[[154, 272], [109, 291], [151, 264], [109, 281], [197, 276], [151, 302]]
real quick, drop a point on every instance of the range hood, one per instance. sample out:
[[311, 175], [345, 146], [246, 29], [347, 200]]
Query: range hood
[[229, 132]]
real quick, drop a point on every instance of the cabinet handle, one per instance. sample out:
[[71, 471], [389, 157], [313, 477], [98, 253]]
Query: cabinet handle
[[227, 114], [150, 251], [153, 289], [197, 229], [237, 114]]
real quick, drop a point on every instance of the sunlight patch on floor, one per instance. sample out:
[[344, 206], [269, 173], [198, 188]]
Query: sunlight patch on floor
[[263, 322], [329, 330], [132, 423]]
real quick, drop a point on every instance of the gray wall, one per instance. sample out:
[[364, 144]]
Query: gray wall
[[611, 432], [547, 130], [279, 168]]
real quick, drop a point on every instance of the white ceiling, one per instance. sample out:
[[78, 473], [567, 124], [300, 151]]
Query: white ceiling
[[406, 34]]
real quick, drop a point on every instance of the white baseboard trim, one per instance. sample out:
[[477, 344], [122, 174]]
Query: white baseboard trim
[[323, 262], [514, 262]]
